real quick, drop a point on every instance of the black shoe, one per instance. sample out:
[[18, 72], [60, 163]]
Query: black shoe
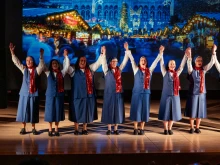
[[191, 131], [141, 132], [23, 131], [57, 133], [108, 132], [34, 131], [197, 130], [85, 132], [170, 132], [165, 132], [76, 132], [116, 132], [50, 133], [135, 132]]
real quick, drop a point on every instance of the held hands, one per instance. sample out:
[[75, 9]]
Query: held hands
[[103, 51], [161, 49], [188, 53], [12, 48], [126, 46], [214, 48], [65, 53], [41, 52]]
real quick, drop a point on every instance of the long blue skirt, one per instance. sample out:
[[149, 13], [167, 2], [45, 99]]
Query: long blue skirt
[[140, 107], [196, 106], [170, 108], [28, 109], [54, 109], [113, 111], [83, 110]]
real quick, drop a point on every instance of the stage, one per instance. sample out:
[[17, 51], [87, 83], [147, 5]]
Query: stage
[[98, 148]]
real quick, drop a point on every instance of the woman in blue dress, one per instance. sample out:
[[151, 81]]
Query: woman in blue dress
[[28, 105], [140, 101], [113, 111], [83, 106], [196, 103], [54, 106], [170, 108]]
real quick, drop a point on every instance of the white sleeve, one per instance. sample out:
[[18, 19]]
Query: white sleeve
[[66, 65], [210, 64], [217, 65], [104, 65], [17, 63], [71, 71], [189, 65], [124, 62], [162, 67], [181, 67], [40, 66], [133, 64], [96, 64], [154, 64]]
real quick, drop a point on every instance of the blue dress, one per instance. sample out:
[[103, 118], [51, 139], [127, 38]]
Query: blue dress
[[196, 101], [170, 107], [28, 105], [83, 106], [113, 111], [54, 106], [140, 101]]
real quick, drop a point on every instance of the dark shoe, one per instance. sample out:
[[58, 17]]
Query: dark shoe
[[34, 131], [117, 132], [76, 132], [108, 132], [141, 132], [170, 132], [57, 133], [135, 132], [85, 132], [23, 131], [197, 130], [191, 131], [165, 132], [50, 133]]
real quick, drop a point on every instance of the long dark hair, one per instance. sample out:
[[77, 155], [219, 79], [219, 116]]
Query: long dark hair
[[77, 63], [50, 66]]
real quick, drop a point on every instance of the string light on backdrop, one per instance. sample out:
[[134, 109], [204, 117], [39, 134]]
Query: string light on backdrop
[[94, 2], [166, 2]]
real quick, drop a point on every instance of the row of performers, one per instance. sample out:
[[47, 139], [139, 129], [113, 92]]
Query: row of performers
[[83, 107]]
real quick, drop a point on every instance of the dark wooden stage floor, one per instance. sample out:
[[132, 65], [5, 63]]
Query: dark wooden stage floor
[[97, 148]]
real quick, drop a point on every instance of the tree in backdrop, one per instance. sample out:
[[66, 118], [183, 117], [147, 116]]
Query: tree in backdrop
[[124, 17]]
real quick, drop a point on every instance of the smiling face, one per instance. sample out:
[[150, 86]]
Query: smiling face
[[82, 62], [114, 63], [29, 62], [198, 62], [171, 65], [143, 62], [55, 65]]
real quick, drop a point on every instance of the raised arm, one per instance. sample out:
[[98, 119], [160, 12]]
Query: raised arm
[[189, 60], [128, 52], [213, 59], [217, 65], [104, 61], [66, 63], [182, 64], [98, 63], [154, 64], [125, 60], [162, 66], [15, 60], [41, 64]]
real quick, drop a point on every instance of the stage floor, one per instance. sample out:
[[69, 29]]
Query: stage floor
[[154, 146]]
